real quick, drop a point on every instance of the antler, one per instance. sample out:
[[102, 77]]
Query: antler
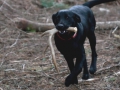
[[51, 33]]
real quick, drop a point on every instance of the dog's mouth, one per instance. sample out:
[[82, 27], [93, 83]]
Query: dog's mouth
[[62, 31]]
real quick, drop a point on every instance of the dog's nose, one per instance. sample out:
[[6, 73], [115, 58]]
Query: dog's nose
[[60, 26]]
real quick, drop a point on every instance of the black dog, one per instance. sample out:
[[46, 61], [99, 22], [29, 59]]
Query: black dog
[[70, 44]]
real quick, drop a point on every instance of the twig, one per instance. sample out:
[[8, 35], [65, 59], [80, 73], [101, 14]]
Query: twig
[[6, 56], [89, 80], [3, 31], [48, 76], [10, 70], [115, 35], [2, 5], [8, 6], [45, 73], [15, 41], [23, 66], [117, 73]]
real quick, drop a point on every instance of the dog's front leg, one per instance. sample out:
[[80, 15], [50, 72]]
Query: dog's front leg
[[70, 63], [77, 69], [80, 60]]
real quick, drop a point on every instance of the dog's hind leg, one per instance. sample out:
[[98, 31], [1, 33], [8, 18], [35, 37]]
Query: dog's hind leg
[[92, 39], [85, 71]]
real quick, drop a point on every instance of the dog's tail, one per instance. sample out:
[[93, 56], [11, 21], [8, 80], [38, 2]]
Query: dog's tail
[[92, 3]]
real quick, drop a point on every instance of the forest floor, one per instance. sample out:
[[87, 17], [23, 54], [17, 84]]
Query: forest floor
[[22, 65]]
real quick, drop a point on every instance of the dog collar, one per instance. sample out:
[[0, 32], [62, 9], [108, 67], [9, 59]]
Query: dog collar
[[75, 34]]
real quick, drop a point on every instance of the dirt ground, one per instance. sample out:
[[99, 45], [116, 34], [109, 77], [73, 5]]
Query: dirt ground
[[22, 65]]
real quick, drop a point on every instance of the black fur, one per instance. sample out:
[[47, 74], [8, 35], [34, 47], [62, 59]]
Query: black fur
[[82, 17]]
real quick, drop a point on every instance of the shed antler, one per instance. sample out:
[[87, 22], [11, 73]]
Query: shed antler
[[51, 33]]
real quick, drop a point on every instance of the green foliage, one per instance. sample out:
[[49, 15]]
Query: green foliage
[[61, 5], [30, 29], [47, 3], [52, 3]]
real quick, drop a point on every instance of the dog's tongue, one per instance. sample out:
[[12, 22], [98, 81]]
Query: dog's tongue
[[62, 32]]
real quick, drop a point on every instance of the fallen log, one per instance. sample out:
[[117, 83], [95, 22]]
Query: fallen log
[[107, 25], [27, 25]]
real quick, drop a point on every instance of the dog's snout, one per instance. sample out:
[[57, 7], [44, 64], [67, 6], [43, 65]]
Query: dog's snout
[[60, 26]]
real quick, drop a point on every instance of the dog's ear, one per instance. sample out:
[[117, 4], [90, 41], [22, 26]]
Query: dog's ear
[[54, 17], [77, 18]]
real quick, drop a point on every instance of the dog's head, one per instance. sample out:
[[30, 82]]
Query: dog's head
[[64, 19]]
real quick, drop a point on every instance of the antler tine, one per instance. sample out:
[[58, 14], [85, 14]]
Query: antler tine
[[51, 33], [53, 53], [44, 33]]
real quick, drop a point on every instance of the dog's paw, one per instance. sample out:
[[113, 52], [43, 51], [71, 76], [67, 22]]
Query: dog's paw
[[75, 81], [70, 80], [92, 70], [85, 76]]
